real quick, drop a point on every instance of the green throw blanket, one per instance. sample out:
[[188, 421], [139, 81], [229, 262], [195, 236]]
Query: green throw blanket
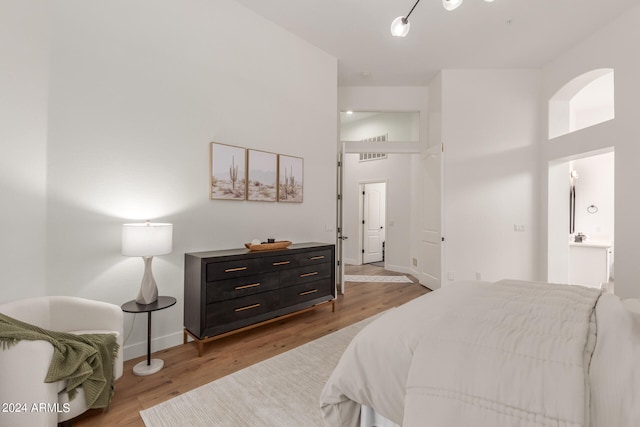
[[83, 360]]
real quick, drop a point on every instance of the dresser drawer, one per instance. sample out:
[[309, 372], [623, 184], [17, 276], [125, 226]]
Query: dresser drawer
[[305, 292], [230, 311], [315, 257], [230, 269], [241, 286], [308, 273], [280, 262]]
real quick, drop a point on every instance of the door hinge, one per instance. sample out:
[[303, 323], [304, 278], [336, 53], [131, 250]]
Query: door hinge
[[442, 238], [339, 163], [363, 251], [442, 147], [363, 221], [339, 197]]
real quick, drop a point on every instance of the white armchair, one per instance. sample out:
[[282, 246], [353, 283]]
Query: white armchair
[[24, 366]]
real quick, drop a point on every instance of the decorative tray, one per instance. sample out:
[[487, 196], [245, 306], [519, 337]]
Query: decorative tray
[[268, 246]]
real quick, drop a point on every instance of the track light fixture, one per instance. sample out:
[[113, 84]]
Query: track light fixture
[[400, 26]]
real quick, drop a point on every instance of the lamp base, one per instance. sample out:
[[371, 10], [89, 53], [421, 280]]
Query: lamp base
[[148, 289], [142, 369]]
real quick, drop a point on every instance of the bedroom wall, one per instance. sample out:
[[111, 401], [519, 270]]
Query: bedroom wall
[[611, 47], [490, 122], [136, 93], [23, 163]]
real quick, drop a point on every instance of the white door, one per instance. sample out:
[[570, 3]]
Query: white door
[[431, 213], [373, 231]]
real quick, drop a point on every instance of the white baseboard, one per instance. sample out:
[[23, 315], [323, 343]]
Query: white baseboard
[[398, 269], [132, 351]]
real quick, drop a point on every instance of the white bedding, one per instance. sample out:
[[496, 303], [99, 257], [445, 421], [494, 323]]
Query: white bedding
[[494, 354]]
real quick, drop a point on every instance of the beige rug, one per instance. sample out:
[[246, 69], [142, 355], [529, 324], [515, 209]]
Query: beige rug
[[283, 391], [379, 279]]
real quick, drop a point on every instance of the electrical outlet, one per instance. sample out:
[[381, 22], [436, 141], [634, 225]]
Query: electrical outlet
[[478, 275], [414, 262], [518, 227], [451, 275]]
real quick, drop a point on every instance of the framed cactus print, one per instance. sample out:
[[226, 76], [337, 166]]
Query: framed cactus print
[[262, 178], [228, 172], [290, 179]]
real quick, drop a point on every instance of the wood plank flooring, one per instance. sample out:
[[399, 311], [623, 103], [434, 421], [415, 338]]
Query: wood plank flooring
[[184, 370]]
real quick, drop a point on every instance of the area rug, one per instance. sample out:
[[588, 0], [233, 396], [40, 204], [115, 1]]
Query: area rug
[[283, 391], [380, 279]]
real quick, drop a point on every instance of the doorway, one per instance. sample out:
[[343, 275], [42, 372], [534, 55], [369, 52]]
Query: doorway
[[581, 220], [373, 231]]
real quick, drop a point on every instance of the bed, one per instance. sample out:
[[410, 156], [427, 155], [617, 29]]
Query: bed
[[509, 353]]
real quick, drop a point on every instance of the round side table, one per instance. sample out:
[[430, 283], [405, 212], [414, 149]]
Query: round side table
[[150, 366]]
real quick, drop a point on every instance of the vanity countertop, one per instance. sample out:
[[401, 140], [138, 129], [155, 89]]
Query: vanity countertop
[[591, 244]]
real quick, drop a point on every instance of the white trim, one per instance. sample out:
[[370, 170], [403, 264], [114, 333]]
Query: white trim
[[140, 349]]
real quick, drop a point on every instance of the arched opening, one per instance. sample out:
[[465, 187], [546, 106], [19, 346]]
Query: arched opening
[[585, 101]]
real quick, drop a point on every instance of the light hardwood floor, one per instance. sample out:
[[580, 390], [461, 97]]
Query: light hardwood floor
[[184, 370]]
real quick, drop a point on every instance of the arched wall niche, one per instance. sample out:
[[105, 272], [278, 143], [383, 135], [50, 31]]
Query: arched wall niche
[[585, 101]]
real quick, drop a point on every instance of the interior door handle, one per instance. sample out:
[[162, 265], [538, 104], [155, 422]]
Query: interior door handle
[[344, 237]]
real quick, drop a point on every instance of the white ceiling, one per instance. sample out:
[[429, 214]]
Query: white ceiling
[[502, 34]]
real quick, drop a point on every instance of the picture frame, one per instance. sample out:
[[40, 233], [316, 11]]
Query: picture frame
[[228, 172], [290, 179], [262, 176]]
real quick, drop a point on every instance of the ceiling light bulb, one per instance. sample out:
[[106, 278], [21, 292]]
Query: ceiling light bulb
[[400, 26], [451, 4], [489, 1]]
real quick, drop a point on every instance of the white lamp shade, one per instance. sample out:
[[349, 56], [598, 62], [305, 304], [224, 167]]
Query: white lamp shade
[[400, 26], [147, 239], [451, 4]]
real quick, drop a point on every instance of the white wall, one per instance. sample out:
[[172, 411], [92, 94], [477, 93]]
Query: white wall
[[137, 92], [23, 162], [614, 47], [397, 127], [595, 186], [395, 170], [490, 133]]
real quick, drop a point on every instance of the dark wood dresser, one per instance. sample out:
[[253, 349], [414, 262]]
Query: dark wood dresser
[[229, 291]]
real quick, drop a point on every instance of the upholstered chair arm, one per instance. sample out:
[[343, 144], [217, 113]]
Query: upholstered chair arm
[[23, 368], [69, 314], [72, 314]]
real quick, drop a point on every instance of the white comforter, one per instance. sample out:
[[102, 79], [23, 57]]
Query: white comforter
[[494, 354]]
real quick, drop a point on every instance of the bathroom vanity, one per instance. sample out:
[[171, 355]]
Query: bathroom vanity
[[589, 263]]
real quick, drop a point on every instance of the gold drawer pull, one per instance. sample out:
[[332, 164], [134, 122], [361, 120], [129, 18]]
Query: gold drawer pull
[[253, 285], [309, 274], [247, 307], [308, 292], [231, 270], [281, 263], [313, 258]]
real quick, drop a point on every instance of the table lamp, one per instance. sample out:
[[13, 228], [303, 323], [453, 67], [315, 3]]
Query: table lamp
[[147, 240]]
